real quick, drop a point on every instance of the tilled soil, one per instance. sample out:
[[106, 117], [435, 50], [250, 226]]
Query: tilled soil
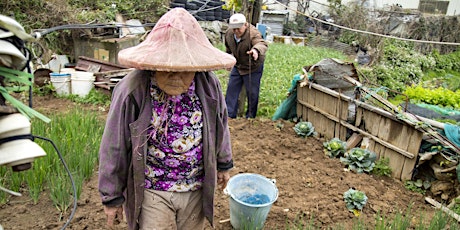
[[310, 184]]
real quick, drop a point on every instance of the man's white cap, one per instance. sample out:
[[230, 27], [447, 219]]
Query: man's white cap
[[236, 21]]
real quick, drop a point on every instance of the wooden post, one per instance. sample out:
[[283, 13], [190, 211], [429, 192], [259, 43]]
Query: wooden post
[[242, 101], [443, 208]]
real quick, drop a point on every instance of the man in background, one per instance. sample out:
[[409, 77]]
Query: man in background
[[246, 44]]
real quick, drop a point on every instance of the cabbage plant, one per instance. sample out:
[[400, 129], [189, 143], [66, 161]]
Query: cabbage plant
[[359, 160], [335, 147], [304, 129], [355, 200]]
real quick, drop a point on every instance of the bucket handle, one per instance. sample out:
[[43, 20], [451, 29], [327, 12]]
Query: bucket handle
[[227, 193]]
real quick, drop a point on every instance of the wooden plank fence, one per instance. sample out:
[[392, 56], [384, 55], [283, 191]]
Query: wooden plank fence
[[328, 111]]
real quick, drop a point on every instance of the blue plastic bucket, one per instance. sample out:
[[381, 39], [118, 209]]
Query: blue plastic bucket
[[262, 29], [251, 197]]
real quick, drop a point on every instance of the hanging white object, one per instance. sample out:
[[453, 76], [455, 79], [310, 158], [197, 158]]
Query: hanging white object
[[17, 147]]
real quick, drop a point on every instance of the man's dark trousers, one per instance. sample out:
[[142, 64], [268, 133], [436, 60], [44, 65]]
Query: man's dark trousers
[[252, 85]]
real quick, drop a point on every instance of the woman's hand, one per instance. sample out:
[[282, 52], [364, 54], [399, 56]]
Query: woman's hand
[[222, 178], [114, 215]]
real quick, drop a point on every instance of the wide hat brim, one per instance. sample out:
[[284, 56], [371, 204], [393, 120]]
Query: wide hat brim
[[177, 43]]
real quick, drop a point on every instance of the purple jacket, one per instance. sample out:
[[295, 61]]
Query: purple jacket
[[123, 146]]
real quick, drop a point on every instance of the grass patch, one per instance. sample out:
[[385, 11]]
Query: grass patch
[[94, 96], [282, 62], [77, 134], [400, 220], [382, 167]]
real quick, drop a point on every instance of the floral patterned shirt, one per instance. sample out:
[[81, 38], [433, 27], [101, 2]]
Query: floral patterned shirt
[[174, 156]]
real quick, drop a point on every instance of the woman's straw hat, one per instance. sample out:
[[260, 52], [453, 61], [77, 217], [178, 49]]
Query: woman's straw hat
[[177, 43]]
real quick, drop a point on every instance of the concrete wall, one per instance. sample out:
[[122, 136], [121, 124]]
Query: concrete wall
[[322, 5], [454, 8], [382, 4]]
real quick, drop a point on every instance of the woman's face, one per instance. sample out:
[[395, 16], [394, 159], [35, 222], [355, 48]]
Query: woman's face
[[174, 83]]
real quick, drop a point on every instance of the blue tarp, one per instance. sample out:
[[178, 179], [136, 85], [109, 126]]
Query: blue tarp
[[287, 108], [452, 132]]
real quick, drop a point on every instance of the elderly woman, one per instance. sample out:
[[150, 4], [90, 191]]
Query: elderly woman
[[166, 142]]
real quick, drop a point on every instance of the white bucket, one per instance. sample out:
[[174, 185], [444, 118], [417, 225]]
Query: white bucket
[[68, 70], [82, 83], [61, 83], [251, 197]]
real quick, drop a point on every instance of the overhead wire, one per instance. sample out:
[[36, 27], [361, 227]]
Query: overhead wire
[[40, 32], [37, 33], [367, 32]]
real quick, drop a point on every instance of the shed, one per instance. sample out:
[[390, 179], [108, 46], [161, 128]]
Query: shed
[[103, 48], [275, 20]]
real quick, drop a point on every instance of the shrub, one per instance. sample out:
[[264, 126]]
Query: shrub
[[382, 167]]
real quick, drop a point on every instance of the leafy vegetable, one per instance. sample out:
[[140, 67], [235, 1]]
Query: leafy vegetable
[[359, 160], [418, 186], [335, 147], [439, 96], [382, 167], [304, 129], [355, 200]]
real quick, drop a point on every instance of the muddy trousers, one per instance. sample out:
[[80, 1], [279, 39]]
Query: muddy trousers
[[251, 83], [171, 210]]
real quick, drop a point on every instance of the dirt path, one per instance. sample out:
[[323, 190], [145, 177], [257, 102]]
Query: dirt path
[[311, 185]]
